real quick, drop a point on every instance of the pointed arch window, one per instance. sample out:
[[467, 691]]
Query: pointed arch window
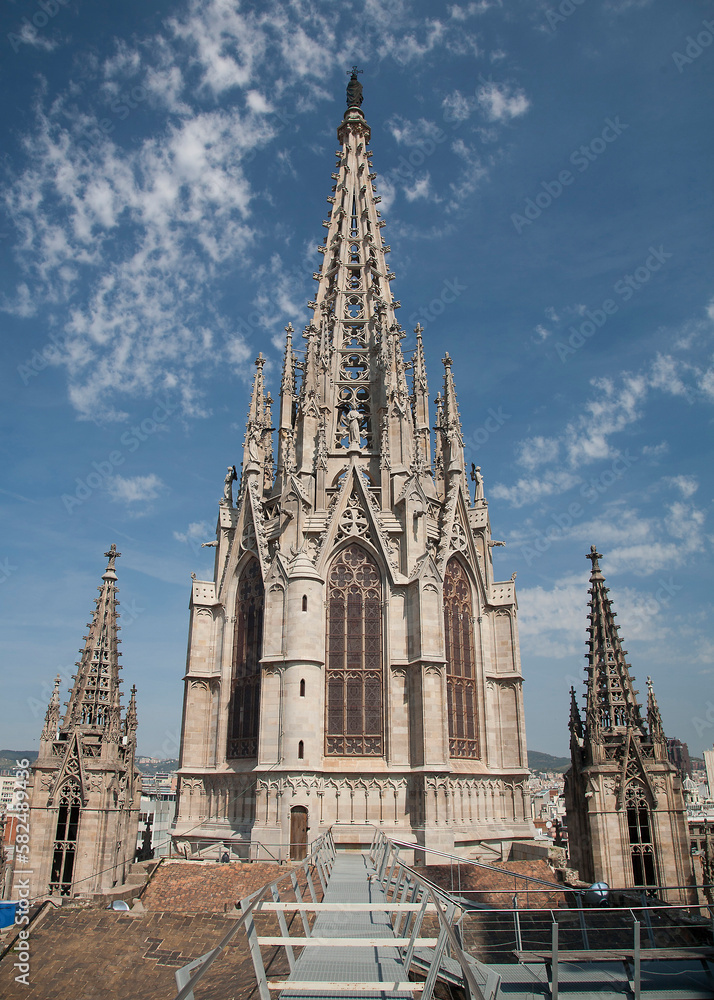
[[65, 845], [354, 724], [639, 828], [243, 713], [461, 662]]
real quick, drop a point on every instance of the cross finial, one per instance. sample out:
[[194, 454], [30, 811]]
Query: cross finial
[[112, 555], [418, 330], [355, 71], [593, 555]]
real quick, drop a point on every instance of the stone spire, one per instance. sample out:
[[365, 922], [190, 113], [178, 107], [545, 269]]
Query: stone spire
[[94, 698], [253, 445], [131, 721], [52, 718], [611, 698], [353, 400], [453, 441], [654, 719], [420, 397]]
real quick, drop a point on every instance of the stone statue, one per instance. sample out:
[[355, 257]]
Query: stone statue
[[254, 445], [354, 90], [353, 422], [478, 479], [231, 477]]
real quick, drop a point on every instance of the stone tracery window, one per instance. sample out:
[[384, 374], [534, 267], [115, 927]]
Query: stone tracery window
[[639, 827], [354, 725], [65, 845], [243, 715], [461, 663]]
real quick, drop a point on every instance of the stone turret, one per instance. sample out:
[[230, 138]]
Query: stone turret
[[86, 789], [626, 813]]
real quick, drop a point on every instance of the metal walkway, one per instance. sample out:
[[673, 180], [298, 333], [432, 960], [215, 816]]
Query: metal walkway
[[352, 888]]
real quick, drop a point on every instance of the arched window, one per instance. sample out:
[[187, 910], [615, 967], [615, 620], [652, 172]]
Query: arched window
[[639, 826], [354, 656], [65, 846], [461, 662], [302, 688], [245, 679], [301, 750]]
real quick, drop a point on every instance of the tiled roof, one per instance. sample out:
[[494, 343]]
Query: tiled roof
[[206, 887], [89, 954], [458, 878]]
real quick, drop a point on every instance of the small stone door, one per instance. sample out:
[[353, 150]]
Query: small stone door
[[298, 833]]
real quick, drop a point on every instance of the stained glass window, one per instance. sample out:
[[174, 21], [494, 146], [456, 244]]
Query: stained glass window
[[461, 662], [247, 646], [354, 656]]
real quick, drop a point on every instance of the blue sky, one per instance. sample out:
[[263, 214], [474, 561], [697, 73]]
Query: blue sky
[[545, 173]]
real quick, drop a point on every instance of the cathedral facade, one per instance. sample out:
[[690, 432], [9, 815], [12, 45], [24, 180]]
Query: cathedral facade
[[85, 789], [627, 819], [353, 663]]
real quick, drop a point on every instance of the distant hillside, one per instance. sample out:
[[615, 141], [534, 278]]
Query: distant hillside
[[8, 757], [161, 766], [538, 761]]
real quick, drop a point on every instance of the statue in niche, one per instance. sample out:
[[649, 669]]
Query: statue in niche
[[353, 429]]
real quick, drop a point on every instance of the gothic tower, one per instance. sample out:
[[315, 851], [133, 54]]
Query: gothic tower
[[352, 661], [627, 822], [84, 800]]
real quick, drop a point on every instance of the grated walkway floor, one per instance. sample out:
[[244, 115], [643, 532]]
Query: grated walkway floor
[[350, 883]]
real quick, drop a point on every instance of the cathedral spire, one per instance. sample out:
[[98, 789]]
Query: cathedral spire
[[611, 698], [96, 683]]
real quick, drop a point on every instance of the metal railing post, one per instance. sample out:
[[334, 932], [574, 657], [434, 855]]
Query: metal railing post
[[636, 926], [517, 924], [554, 959], [299, 899]]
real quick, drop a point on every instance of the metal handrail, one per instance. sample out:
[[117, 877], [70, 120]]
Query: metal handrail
[[250, 904], [444, 924]]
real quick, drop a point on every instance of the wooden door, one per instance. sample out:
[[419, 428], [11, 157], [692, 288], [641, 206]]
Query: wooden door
[[298, 833]]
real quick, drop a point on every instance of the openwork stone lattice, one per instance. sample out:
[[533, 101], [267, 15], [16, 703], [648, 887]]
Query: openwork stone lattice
[[461, 666], [642, 848], [70, 804], [244, 709], [354, 658]]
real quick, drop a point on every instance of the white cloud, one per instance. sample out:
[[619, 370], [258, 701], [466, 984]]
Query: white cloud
[[501, 102], [136, 489], [687, 485], [537, 451], [420, 188], [197, 532], [533, 488]]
